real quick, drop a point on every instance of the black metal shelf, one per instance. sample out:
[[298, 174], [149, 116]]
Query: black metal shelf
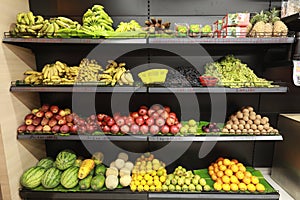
[[203, 138]]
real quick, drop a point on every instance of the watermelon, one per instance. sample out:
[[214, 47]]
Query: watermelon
[[32, 177], [65, 159], [51, 178], [46, 163], [69, 177]]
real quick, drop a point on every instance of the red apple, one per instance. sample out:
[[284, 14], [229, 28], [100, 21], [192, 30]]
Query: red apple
[[134, 129], [82, 130], [156, 107], [28, 121], [69, 118], [38, 129], [64, 129], [74, 129], [100, 117], [68, 111], [93, 117], [44, 121], [151, 111], [179, 125], [55, 129], [116, 116], [144, 129], [155, 115], [114, 129], [52, 122], [34, 111], [22, 128], [142, 111], [48, 114], [160, 121], [29, 116], [174, 129], [176, 121], [45, 107], [145, 117], [160, 111], [150, 121], [36, 121], [139, 120], [69, 124], [40, 113], [170, 121], [62, 113], [164, 114], [30, 129], [125, 129], [172, 115], [167, 108], [154, 129], [46, 129], [120, 122], [134, 115], [54, 109], [90, 129], [110, 122], [165, 129], [129, 121], [144, 107], [106, 129], [57, 117]]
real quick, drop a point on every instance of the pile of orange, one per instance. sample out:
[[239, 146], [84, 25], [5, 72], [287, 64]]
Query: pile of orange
[[230, 175]]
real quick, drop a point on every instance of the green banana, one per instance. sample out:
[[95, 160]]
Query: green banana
[[39, 19], [37, 27], [62, 24], [27, 21], [66, 20], [56, 27], [50, 29], [20, 17], [31, 18]]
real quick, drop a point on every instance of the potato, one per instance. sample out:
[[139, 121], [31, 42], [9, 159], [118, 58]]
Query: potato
[[250, 131], [247, 126], [246, 118], [254, 127], [231, 131], [250, 108], [245, 110], [229, 122], [236, 122], [238, 132], [263, 121], [239, 115], [266, 118], [244, 131], [258, 116], [257, 122], [256, 132], [235, 127], [263, 132], [252, 116], [234, 119], [241, 127], [250, 122], [267, 126], [242, 122], [260, 127], [225, 130]]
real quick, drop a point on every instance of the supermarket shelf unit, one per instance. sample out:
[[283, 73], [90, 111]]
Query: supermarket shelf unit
[[256, 150]]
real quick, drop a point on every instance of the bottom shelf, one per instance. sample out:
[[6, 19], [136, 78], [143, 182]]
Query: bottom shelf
[[127, 194]]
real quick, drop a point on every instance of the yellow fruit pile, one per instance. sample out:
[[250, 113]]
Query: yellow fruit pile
[[148, 174], [230, 175]]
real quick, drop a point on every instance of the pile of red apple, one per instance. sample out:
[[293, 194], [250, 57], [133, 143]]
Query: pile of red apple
[[48, 119], [146, 120]]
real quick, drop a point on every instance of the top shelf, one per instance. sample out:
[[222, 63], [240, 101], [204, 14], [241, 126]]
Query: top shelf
[[273, 40]]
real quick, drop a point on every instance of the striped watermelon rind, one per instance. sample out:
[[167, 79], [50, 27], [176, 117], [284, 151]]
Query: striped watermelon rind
[[46, 162], [69, 177], [51, 178], [65, 159], [32, 177]]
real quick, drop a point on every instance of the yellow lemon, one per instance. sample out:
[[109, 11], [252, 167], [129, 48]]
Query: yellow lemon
[[260, 187], [147, 177], [226, 187], [153, 173], [162, 179], [226, 179], [140, 188], [152, 188], [242, 186], [234, 187], [228, 172], [143, 182], [146, 188], [226, 162], [248, 174], [139, 177], [220, 174], [254, 180], [251, 187], [155, 178], [133, 188], [217, 186], [234, 179], [150, 182], [222, 167], [242, 168], [240, 175], [137, 183], [247, 180], [158, 188], [234, 168], [143, 172]]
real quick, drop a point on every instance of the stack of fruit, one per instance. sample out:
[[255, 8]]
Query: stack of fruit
[[230, 175], [96, 21], [67, 170], [246, 121], [148, 174], [267, 24], [182, 180], [48, 119], [231, 72]]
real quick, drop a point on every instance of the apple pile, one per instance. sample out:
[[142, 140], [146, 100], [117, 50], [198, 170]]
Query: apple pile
[[146, 120], [48, 119]]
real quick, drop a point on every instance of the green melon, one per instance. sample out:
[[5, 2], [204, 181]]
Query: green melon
[[65, 159], [46, 163], [51, 178], [69, 178], [32, 177]]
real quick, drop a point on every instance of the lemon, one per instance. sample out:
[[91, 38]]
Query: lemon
[[150, 182], [158, 188], [260, 187], [234, 187], [139, 177], [226, 187], [157, 182], [137, 183], [240, 175], [146, 188], [152, 188], [147, 177], [226, 162], [217, 186], [143, 172], [140, 188], [143, 182], [251, 187], [228, 172], [133, 188], [254, 180], [242, 186], [226, 179], [155, 178], [153, 173], [162, 179], [234, 179]]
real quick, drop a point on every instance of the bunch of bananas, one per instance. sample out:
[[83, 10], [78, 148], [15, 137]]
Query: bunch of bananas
[[28, 25], [96, 21], [128, 26], [89, 71], [52, 74], [115, 73]]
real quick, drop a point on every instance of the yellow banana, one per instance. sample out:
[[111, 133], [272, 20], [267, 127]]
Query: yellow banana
[[123, 79], [122, 64], [119, 73], [39, 20], [112, 63], [129, 77], [27, 80], [31, 18], [30, 72], [27, 21], [20, 16], [105, 76]]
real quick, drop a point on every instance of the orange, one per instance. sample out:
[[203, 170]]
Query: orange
[[211, 168], [248, 174], [216, 170], [226, 187], [235, 161], [215, 165], [242, 168], [242, 186], [234, 179], [220, 174], [219, 180], [220, 159], [214, 177], [254, 180], [234, 168], [222, 168], [226, 162], [234, 187], [220, 163], [226, 179], [239, 164], [240, 175], [247, 180], [260, 187], [251, 188], [217, 186], [211, 172], [228, 172]]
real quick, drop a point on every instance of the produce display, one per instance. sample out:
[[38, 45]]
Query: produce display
[[267, 24], [246, 121], [183, 76], [148, 174], [232, 73], [87, 71], [230, 175]]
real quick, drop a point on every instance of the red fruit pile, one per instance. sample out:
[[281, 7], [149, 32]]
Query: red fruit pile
[[48, 119]]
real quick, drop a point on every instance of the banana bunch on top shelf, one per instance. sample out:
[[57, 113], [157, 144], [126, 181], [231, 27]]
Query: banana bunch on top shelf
[[52, 74], [96, 21], [116, 73], [28, 25]]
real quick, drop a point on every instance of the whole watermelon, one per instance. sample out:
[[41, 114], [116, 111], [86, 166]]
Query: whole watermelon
[[32, 177], [46, 163], [51, 178], [69, 178], [65, 159]]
